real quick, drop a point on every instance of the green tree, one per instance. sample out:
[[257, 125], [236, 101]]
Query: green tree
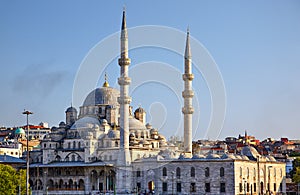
[[296, 176], [21, 174], [10, 180]]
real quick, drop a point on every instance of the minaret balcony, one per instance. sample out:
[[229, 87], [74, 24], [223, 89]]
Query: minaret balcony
[[124, 80], [188, 77], [124, 100], [124, 61], [188, 110], [188, 94]]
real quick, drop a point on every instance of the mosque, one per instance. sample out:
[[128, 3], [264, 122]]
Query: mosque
[[106, 148]]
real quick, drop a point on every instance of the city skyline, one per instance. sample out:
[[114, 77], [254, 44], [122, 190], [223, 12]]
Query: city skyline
[[254, 45]]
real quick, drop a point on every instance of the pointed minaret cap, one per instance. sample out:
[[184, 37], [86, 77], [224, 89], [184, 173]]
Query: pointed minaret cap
[[124, 20], [188, 53]]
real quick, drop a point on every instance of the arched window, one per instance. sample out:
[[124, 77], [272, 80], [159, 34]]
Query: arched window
[[74, 144], [79, 144], [248, 172], [164, 171], [241, 171], [178, 172], [193, 172], [138, 173], [116, 144], [206, 172], [73, 157], [222, 172]]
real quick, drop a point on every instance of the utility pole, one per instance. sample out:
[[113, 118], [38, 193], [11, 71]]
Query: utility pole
[[27, 155]]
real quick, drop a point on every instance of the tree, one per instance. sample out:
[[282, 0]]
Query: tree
[[296, 176], [10, 180]]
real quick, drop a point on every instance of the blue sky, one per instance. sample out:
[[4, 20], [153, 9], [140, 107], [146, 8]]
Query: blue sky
[[256, 45]]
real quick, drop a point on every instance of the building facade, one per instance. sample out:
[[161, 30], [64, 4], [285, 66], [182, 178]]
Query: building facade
[[107, 147]]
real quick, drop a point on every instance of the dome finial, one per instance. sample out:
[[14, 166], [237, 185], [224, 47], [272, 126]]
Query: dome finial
[[105, 84]]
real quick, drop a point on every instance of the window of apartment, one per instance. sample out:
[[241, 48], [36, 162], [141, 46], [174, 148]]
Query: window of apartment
[[164, 171], [165, 186], [178, 187], [241, 187], [193, 187], [178, 172], [254, 187], [192, 171], [206, 172], [222, 172], [280, 187], [207, 187], [248, 187], [275, 187], [222, 187]]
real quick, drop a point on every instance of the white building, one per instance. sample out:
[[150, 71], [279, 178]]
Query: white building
[[108, 148]]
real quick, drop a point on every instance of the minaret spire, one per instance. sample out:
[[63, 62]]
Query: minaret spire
[[187, 95]]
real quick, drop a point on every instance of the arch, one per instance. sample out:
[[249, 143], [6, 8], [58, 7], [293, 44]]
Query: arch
[[193, 172], [79, 144], [61, 184], [164, 171], [178, 172], [206, 172], [73, 157], [81, 184], [50, 183], [222, 172], [70, 183], [38, 185], [57, 158]]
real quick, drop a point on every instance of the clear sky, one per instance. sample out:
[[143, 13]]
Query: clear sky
[[256, 45]]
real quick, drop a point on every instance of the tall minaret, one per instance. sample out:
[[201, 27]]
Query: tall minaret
[[124, 159], [187, 95]]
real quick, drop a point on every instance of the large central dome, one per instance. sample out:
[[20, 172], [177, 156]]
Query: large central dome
[[103, 95]]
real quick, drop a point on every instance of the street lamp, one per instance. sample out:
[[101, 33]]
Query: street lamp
[[27, 148]]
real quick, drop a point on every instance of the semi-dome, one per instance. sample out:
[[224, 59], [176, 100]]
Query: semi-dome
[[86, 122], [135, 124], [103, 95], [19, 131]]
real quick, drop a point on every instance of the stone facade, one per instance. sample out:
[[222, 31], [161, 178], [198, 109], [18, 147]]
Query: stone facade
[[107, 148]]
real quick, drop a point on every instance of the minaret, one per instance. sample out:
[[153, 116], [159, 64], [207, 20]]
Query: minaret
[[187, 95], [124, 99], [124, 159]]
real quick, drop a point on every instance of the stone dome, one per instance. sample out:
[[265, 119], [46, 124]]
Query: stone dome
[[135, 124], [86, 122], [250, 152], [103, 95], [140, 110], [113, 134], [19, 131]]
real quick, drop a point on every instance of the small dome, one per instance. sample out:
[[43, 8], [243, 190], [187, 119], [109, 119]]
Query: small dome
[[139, 109], [62, 124], [226, 156], [113, 134], [148, 126], [250, 152], [19, 131], [103, 122], [153, 131], [71, 109], [198, 156], [213, 156]]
